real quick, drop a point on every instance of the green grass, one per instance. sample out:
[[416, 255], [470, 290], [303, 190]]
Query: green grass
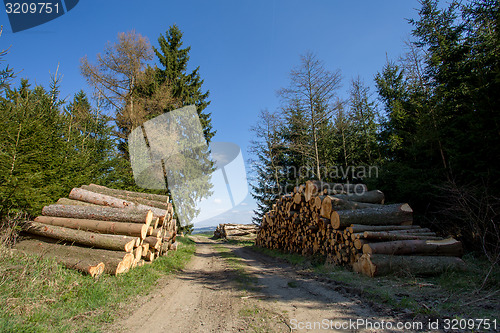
[[453, 294], [39, 295]]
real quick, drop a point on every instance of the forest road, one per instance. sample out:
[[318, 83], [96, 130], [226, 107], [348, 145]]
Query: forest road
[[232, 288]]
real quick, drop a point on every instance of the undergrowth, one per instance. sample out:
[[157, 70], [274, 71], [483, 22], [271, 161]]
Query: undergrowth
[[39, 295]]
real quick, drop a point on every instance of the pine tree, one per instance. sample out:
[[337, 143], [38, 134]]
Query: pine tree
[[186, 86], [269, 179], [363, 116]]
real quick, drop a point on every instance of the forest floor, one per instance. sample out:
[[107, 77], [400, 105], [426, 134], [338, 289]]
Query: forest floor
[[231, 287]]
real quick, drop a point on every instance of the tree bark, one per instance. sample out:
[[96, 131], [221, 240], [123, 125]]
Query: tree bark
[[388, 236], [125, 195], [379, 264], [110, 201], [148, 196], [373, 197], [99, 213], [154, 242], [395, 214], [362, 228], [115, 266], [104, 227], [75, 257], [331, 203], [445, 247], [71, 202], [109, 242]]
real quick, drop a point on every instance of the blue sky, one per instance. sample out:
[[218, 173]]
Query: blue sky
[[245, 49]]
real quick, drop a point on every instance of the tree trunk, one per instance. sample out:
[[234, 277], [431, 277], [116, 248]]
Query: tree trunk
[[148, 196], [115, 266], [331, 203], [316, 187], [99, 213], [362, 228], [379, 264], [373, 197], [75, 257], [109, 242], [445, 247], [126, 196], [154, 242], [71, 202], [385, 235], [104, 227], [384, 215], [107, 200]]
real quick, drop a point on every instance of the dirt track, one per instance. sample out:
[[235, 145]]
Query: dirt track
[[255, 293]]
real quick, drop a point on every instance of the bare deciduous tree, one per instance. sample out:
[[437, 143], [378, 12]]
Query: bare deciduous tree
[[313, 89]]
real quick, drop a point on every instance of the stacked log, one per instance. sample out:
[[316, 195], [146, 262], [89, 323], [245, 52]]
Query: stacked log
[[350, 225], [101, 230], [236, 231]]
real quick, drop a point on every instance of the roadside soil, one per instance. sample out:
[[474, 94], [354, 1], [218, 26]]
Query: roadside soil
[[231, 288]]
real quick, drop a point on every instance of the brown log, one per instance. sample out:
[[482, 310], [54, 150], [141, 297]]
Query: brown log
[[154, 242], [150, 256], [71, 202], [109, 242], [156, 222], [417, 231], [158, 232], [358, 243], [164, 248], [384, 215], [115, 266], [149, 196], [373, 197], [110, 201], [71, 255], [331, 203], [104, 227], [316, 187], [99, 213], [380, 264], [445, 247], [70, 259], [362, 228], [126, 196], [173, 246], [138, 253], [385, 235]]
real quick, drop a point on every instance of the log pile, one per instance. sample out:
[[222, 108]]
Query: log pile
[[101, 230], [236, 231], [350, 225]]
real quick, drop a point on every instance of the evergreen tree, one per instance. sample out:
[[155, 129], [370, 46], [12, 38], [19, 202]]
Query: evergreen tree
[[363, 116], [298, 160], [269, 180], [186, 86]]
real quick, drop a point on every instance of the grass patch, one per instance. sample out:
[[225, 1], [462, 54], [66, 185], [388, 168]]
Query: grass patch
[[292, 258], [451, 294], [39, 295]]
